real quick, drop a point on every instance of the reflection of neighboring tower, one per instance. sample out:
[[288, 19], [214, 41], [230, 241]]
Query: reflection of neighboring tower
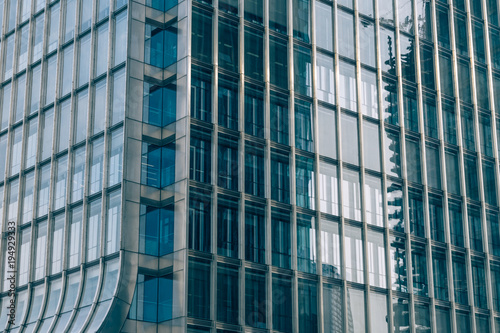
[[349, 314], [332, 310]]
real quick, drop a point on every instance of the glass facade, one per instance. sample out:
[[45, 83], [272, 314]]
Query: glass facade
[[222, 166]]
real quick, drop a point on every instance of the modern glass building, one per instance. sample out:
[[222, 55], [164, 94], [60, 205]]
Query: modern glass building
[[250, 166]]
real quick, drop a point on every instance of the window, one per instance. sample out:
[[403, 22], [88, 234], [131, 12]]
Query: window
[[282, 311], [332, 303], [478, 279], [406, 16], [351, 197], [345, 33], [413, 160], [485, 135], [201, 37], [325, 78], [101, 50], [347, 86], [63, 124], [367, 41], [99, 109], [419, 270], [160, 49], [47, 134], [115, 166], [15, 152], [254, 107], [229, 6], [430, 117], [118, 98], [493, 233], [227, 294], [461, 34], [304, 178], [53, 29], [490, 194], [407, 49], [94, 230], [78, 174], [395, 206], [74, 241], [254, 11], [59, 200], [446, 74], [280, 177], [69, 28], [387, 44], [369, 94], [254, 170], [416, 214], [200, 157], [306, 243], [158, 165], [328, 188], [156, 230], [357, 301], [350, 150], [37, 38], [96, 166], [199, 222], [371, 142], [113, 223], [433, 167], [302, 70], [440, 276], [279, 119], [67, 71], [449, 123], [228, 163], [390, 101], [427, 65], [327, 136], [443, 29], [392, 154], [373, 200], [84, 63], [410, 109], [475, 230], [228, 45], [278, 61], [57, 241], [41, 243], [376, 259], [199, 289], [255, 298], [22, 58], [464, 87], [227, 228], [153, 299], [120, 42], [301, 20], [159, 106], [304, 126], [281, 243], [254, 54], [278, 16], [201, 95], [330, 249], [308, 306], [436, 219], [43, 190], [255, 234], [24, 256], [324, 24], [478, 40], [471, 181], [228, 102], [36, 74], [354, 254], [456, 224], [28, 191]]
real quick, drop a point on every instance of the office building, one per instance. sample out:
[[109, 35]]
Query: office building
[[250, 165]]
